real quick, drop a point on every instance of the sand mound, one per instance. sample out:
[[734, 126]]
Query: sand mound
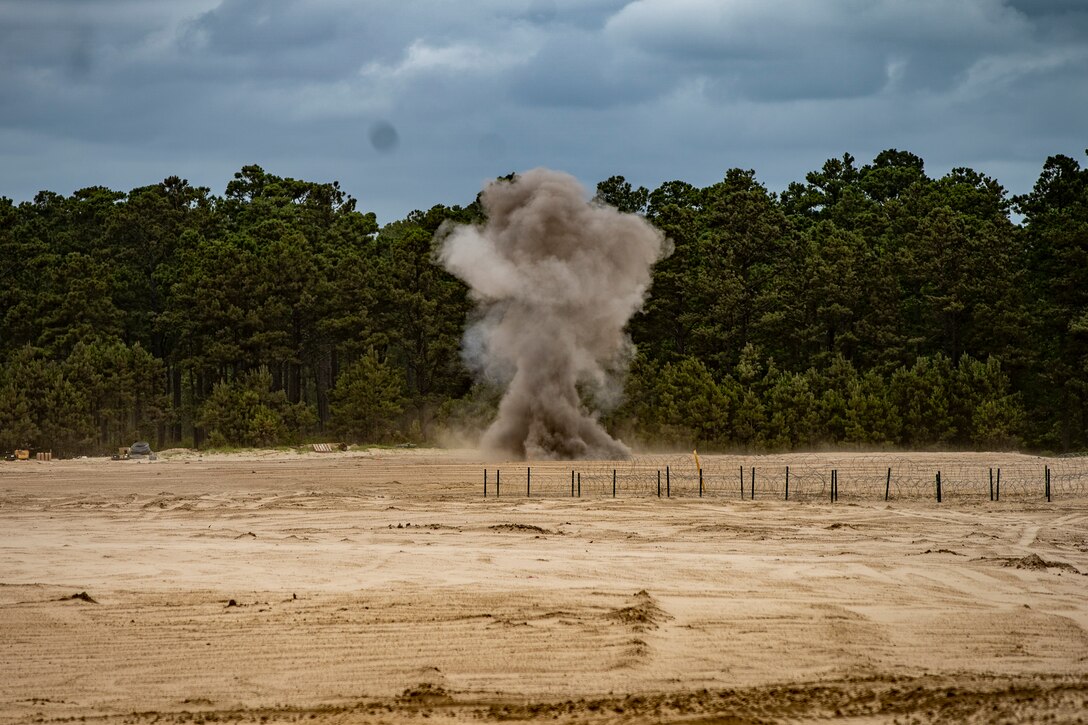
[[1035, 562], [642, 614], [425, 693], [520, 529]]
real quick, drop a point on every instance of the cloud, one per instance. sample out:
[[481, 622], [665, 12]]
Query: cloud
[[1043, 8], [582, 69], [1011, 69], [127, 92], [243, 27], [421, 58], [795, 49]]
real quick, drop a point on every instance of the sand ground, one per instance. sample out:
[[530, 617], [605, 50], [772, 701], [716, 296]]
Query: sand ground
[[382, 587]]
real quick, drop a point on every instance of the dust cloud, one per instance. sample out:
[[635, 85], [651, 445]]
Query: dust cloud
[[555, 279]]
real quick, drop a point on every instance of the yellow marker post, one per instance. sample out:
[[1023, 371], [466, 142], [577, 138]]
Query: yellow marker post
[[699, 467]]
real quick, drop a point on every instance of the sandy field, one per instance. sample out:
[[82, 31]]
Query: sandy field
[[381, 586]]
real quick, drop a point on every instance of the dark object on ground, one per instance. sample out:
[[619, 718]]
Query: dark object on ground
[[523, 528], [1038, 563], [83, 597], [139, 448]]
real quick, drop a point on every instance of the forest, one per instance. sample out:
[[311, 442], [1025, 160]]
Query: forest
[[868, 306]]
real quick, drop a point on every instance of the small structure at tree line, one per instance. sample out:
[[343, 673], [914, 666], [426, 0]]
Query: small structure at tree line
[[328, 447], [138, 451], [29, 454]]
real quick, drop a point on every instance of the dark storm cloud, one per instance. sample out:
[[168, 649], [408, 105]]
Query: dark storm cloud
[[794, 49], [558, 14], [577, 69], [269, 27], [1043, 8], [126, 92]]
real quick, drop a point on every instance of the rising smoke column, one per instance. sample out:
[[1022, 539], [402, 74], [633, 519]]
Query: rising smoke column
[[555, 280]]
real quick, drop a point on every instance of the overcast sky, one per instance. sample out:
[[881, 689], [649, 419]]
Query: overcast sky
[[409, 103]]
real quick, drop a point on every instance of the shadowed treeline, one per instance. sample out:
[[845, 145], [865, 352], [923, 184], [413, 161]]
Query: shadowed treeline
[[867, 305]]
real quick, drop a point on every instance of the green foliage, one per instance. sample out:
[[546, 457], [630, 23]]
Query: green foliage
[[990, 414], [923, 396], [249, 412], [792, 411], [871, 417], [40, 406], [689, 404], [616, 191], [104, 394], [867, 305], [421, 312], [367, 399], [1056, 215], [123, 389]]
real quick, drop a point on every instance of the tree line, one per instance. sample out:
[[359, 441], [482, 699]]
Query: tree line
[[868, 305]]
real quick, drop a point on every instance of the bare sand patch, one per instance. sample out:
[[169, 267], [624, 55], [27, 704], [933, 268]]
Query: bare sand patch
[[382, 586]]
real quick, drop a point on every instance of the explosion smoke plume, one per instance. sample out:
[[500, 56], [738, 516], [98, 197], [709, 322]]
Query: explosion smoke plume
[[555, 280]]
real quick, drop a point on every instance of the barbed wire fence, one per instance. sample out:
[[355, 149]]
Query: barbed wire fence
[[796, 478]]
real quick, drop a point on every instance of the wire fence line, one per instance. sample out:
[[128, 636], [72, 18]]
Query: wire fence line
[[798, 478]]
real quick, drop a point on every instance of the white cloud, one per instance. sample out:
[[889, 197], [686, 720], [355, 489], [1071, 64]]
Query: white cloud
[[422, 58], [996, 72], [754, 26]]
